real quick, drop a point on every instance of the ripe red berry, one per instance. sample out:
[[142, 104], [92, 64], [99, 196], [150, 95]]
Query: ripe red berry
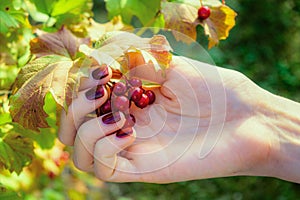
[[135, 94], [203, 12], [151, 96], [143, 102]]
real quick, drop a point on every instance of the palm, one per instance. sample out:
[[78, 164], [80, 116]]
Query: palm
[[172, 131]]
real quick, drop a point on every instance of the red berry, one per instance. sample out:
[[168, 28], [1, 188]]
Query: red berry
[[121, 103], [51, 175], [143, 102], [106, 107], [135, 94], [135, 82], [119, 88], [203, 12], [151, 96]]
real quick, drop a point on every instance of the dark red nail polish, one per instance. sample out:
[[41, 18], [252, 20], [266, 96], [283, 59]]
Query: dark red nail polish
[[100, 73], [95, 93], [122, 133], [111, 118]]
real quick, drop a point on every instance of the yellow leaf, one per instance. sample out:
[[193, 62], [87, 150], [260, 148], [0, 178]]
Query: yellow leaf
[[97, 30], [180, 18], [218, 25]]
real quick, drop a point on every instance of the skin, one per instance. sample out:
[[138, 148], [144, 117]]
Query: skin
[[206, 122]]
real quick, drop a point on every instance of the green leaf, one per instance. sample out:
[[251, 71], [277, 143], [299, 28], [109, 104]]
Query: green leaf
[[6, 22], [5, 118], [47, 136], [44, 6], [8, 194], [8, 74], [38, 11], [16, 150], [55, 13], [11, 16], [65, 6], [145, 10]]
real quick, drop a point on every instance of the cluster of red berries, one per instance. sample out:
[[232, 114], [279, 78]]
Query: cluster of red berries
[[122, 95]]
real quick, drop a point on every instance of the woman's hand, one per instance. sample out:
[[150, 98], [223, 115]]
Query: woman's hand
[[206, 122]]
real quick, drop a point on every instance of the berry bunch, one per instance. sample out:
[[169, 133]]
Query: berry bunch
[[122, 95]]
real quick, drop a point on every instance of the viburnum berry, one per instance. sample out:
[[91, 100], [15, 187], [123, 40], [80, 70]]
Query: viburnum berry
[[143, 102], [151, 96], [121, 103], [121, 94], [135, 94], [135, 82], [119, 88], [203, 12]]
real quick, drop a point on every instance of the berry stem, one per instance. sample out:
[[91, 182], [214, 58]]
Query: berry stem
[[116, 74], [201, 4]]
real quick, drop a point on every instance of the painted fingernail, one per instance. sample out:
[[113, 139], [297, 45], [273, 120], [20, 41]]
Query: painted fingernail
[[95, 93], [100, 72], [111, 118], [122, 133]]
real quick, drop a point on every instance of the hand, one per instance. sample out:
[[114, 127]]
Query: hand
[[206, 122]]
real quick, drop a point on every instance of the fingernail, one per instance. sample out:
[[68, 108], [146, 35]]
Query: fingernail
[[100, 73], [122, 133], [111, 118], [95, 93]]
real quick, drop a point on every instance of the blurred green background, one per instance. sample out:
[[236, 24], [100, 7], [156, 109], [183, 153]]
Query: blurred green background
[[265, 46]]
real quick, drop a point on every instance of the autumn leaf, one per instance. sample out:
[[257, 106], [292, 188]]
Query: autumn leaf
[[218, 25], [130, 51], [55, 70], [60, 43], [43, 75], [97, 30], [181, 19]]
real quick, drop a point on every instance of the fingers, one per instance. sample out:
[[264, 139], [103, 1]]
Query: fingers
[[91, 96], [86, 102], [89, 133], [96, 148], [108, 165], [98, 76]]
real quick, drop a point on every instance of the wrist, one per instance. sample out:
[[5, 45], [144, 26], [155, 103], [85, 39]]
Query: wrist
[[282, 119]]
